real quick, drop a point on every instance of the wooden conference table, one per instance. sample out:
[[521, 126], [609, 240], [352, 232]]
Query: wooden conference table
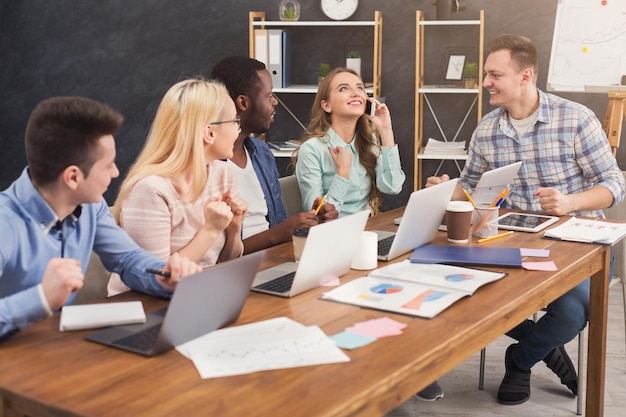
[[47, 373]]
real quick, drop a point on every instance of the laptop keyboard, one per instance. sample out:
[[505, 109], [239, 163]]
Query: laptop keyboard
[[384, 245], [143, 340], [280, 284]]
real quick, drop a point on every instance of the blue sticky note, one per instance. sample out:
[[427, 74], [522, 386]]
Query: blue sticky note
[[349, 340]]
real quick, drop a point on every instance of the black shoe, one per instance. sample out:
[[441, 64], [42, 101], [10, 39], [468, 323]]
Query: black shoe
[[559, 362], [515, 387], [431, 393]]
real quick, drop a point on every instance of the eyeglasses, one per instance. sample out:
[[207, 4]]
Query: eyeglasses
[[236, 120]]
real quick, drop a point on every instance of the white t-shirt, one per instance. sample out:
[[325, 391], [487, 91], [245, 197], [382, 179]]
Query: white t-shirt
[[251, 192]]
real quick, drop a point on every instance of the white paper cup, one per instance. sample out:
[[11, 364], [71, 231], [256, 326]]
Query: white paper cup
[[366, 256]]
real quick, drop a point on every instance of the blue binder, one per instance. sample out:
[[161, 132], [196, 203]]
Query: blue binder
[[467, 255]]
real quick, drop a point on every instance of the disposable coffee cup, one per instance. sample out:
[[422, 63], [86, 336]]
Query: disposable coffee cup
[[299, 240], [485, 221], [459, 220]]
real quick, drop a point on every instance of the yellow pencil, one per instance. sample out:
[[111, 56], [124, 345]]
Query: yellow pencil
[[469, 197], [487, 239], [319, 206]]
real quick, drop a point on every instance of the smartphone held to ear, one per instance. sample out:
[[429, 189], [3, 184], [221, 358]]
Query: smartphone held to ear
[[370, 108]]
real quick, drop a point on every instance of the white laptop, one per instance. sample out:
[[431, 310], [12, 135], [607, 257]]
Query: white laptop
[[327, 254], [201, 303], [419, 223]]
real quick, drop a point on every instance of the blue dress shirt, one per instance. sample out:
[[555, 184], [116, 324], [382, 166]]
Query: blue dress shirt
[[32, 234]]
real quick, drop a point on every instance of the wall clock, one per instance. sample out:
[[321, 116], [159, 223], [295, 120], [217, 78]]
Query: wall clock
[[339, 9]]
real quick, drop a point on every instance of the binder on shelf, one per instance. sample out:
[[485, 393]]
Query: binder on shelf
[[277, 65], [260, 45]]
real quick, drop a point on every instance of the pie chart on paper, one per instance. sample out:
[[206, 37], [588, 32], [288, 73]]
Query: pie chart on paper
[[386, 288]]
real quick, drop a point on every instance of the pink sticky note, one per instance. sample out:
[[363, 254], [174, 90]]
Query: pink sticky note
[[330, 281], [540, 266], [378, 327]]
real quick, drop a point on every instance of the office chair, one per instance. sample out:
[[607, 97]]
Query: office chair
[[290, 194], [95, 284]]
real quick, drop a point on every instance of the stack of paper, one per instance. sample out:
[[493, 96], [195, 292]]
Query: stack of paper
[[434, 146], [271, 344], [589, 231]]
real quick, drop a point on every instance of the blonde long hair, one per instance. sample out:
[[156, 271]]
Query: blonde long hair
[[321, 121], [175, 143]]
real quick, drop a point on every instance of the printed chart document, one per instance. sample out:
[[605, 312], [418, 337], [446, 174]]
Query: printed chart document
[[271, 344], [90, 316], [422, 290], [588, 231]]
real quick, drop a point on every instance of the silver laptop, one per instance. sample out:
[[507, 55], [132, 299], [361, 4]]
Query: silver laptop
[[327, 253], [419, 223], [201, 303]]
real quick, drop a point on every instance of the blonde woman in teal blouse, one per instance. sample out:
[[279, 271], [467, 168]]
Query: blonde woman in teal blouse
[[344, 156]]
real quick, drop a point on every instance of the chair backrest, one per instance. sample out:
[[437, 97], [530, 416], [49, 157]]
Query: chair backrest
[[96, 280], [290, 194], [618, 212]]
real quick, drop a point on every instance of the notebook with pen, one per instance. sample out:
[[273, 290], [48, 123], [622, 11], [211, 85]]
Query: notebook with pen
[[327, 253], [201, 303], [467, 255]]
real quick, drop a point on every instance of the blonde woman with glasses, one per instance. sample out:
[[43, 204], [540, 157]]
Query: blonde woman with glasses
[[180, 195]]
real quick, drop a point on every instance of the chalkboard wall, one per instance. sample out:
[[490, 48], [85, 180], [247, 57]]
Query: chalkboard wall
[[127, 53]]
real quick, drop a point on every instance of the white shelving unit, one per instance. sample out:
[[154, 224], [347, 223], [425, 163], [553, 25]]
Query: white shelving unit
[[423, 91], [257, 21]]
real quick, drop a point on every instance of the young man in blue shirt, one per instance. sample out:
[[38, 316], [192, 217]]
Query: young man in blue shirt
[[266, 224], [53, 216]]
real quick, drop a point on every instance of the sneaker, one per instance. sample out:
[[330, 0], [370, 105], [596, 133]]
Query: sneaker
[[560, 363], [431, 393]]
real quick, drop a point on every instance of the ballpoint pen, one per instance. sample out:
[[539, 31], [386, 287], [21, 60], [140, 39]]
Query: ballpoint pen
[[500, 198], [158, 272], [487, 239], [319, 206]]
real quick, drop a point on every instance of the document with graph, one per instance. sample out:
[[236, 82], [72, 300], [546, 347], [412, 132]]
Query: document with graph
[[422, 290]]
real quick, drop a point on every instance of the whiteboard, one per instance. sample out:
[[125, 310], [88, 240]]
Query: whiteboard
[[588, 46]]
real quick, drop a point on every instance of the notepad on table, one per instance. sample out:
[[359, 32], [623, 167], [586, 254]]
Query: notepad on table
[[467, 255], [91, 316], [588, 231]]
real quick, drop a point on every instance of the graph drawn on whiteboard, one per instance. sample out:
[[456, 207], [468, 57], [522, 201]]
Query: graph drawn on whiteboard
[[588, 46]]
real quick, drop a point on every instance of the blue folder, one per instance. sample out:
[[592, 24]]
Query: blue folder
[[467, 255]]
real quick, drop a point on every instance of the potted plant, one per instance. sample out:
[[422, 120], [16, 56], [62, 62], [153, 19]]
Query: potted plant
[[353, 61], [470, 75], [289, 10], [323, 71]]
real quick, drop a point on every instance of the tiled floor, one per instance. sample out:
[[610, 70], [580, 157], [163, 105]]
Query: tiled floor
[[548, 396]]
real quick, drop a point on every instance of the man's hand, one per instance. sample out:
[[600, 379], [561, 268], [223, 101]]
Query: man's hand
[[553, 201], [430, 181], [178, 267], [327, 211], [62, 277]]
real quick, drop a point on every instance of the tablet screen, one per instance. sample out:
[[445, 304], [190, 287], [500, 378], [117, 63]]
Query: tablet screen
[[521, 220]]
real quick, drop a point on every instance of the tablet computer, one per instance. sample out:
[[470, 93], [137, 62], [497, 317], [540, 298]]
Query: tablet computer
[[525, 222]]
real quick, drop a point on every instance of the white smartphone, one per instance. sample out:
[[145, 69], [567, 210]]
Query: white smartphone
[[525, 222]]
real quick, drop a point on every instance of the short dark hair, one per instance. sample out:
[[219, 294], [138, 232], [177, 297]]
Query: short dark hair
[[240, 75], [523, 51], [64, 131]]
